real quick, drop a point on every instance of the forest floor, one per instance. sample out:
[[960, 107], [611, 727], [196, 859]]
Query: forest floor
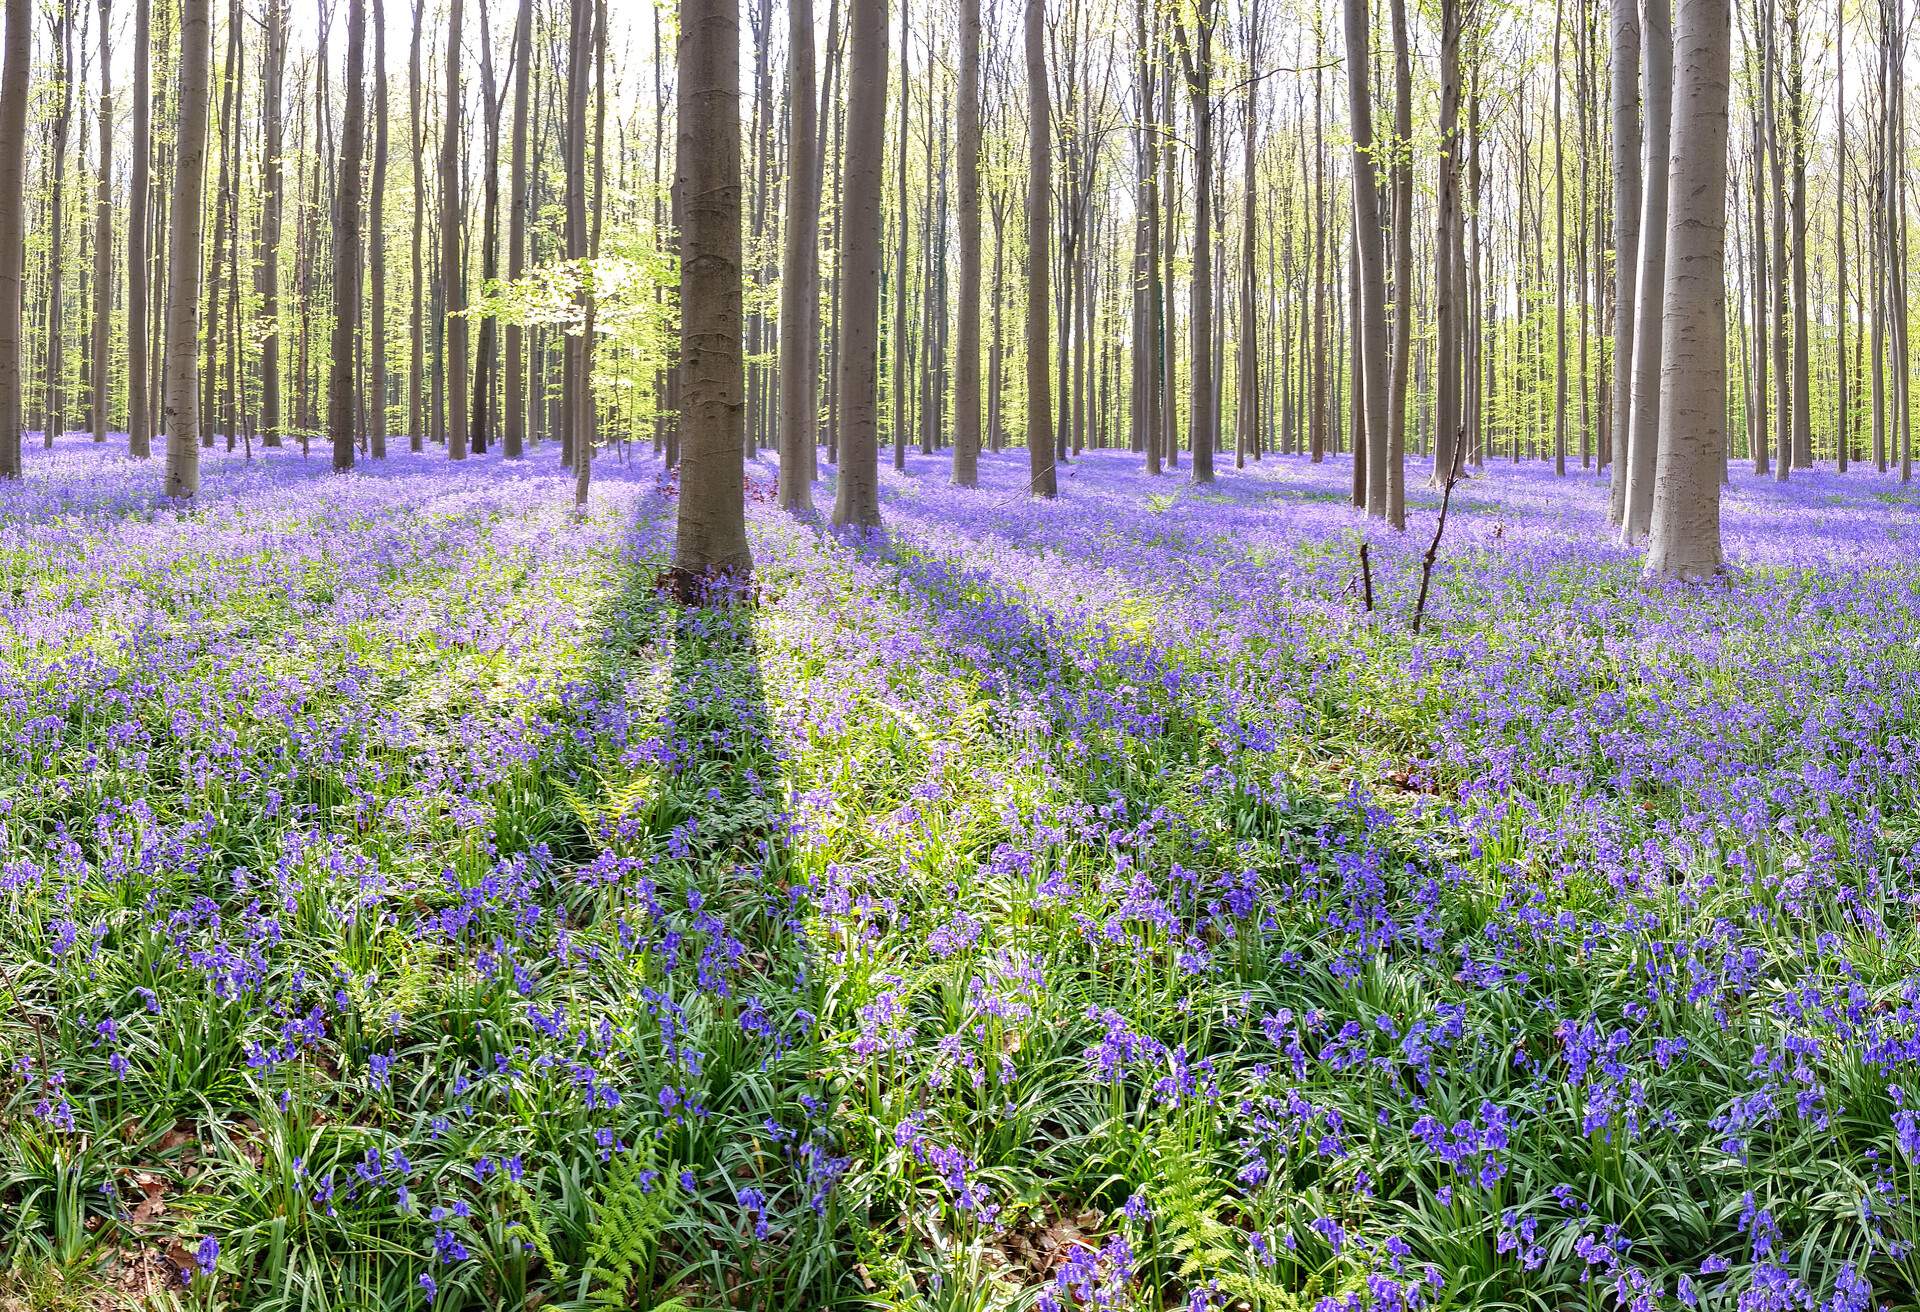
[[1073, 905]]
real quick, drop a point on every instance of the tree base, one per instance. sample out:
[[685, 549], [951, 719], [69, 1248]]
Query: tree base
[[718, 586]]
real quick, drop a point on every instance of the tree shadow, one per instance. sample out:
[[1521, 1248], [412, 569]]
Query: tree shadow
[[695, 800]]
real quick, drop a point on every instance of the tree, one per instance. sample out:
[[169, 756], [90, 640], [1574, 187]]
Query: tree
[[857, 491], [53, 420], [14, 76], [799, 287], [1043, 481], [1449, 417], [712, 535], [139, 417], [576, 384], [376, 331], [1650, 278], [513, 446], [183, 256], [1693, 375], [966, 367], [1196, 58], [1370, 325], [342, 410], [1624, 34], [416, 324], [102, 242], [453, 280]]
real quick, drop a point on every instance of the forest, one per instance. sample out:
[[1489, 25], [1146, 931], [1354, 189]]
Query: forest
[[958, 656]]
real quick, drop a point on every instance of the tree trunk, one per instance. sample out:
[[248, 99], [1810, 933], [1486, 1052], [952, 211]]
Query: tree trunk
[[1197, 57], [966, 366], [1686, 514], [1369, 331], [1777, 192], [54, 421], [1797, 144], [1842, 427], [1394, 473], [898, 362], [14, 81], [857, 493], [139, 416], [453, 282], [377, 247], [1624, 30], [1040, 463], [712, 534], [1650, 279], [347, 272], [417, 335], [799, 292], [1247, 406], [1447, 417], [514, 444], [183, 257], [102, 242]]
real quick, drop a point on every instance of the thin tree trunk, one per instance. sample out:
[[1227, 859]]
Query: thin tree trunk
[[1624, 31], [102, 241], [54, 421], [857, 494], [14, 79], [799, 292], [514, 446], [1369, 331], [139, 415], [347, 272], [183, 259], [453, 282], [377, 246], [1197, 57], [1650, 279], [966, 367], [1040, 460]]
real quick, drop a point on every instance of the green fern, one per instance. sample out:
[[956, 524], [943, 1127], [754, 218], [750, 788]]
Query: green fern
[[627, 1218], [1186, 1209]]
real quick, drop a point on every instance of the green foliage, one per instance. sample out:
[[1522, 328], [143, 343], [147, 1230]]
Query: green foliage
[[629, 1211]]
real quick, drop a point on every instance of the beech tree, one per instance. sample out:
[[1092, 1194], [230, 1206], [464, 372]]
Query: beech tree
[[13, 163], [857, 491], [1686, 510], [712, 536], [342, 411]]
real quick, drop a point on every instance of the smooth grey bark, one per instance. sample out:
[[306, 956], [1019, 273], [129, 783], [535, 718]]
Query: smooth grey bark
[[712, 535], [139, 413], [1369, 331], [513, 442], [1650, 279], [416, 325], [1043, 480], [453, 281], [1623, 30], [14, 77], [1203, 414], [102, 241], [966, 363], [799, 288], [185, 227], [341, 408], [376, 330], [857, 491], [1693, 382], [1448, 411]]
